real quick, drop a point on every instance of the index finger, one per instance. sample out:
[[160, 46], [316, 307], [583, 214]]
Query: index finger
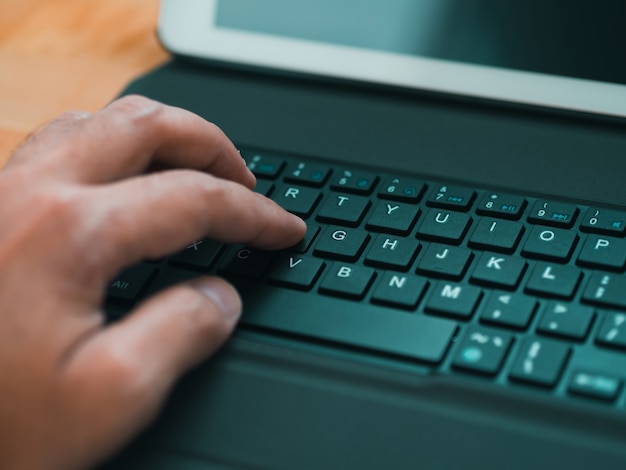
[[151, 216], [134, 133]]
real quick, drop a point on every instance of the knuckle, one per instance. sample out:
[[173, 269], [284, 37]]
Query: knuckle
[[135, 104], [61, 207], [219, 192], [145, 116], [70, 118], [206, 188], [138, 109]]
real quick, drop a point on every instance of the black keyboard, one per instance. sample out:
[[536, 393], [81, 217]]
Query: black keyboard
[[513, 289]]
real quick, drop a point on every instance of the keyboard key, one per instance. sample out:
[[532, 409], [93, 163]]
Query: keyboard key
[[297, 200], [347, 280], [263, 165], [508, 310], [556, 214], [393, 217], [540, 362], [264, 187], [612, 332], [343, 209], [604, 221], [399, 290], [402, 189], [603, 252], [445, 261], [392, 252], [451, 197], [294, 270], [310, 174], [554, 280], [342, 243], [454, 300], [497, 204], [483, 350], [355, 181], [595, 385], [569, 321], [444, 226], [199, 255], [499, 270], [245, 261], [550, 243], [606, 289], [496, 235], [131, 282], [369, 326]]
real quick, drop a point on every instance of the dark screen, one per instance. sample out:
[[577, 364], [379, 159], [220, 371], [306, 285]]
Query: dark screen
[[583, 39]]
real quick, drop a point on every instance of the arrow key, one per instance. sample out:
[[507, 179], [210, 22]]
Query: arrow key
[[508, 310], [566, 320], [540, 362], [612, 332]]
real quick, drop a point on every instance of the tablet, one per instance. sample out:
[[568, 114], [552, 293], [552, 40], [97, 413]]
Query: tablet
[[559, 54]]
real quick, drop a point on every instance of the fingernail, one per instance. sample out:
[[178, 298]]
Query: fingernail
[[222, 294]]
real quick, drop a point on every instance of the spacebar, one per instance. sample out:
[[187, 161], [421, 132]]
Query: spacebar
[[362, 325]]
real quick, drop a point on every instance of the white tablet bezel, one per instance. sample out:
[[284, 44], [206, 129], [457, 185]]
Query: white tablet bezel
[[187, 27]]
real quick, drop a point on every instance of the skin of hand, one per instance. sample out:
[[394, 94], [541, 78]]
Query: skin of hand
[[84, 197]]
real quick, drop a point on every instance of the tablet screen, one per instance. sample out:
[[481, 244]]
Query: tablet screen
[[573, 38], [557, 54]]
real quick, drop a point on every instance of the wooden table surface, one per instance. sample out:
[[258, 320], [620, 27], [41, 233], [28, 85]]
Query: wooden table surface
[[57, 55]]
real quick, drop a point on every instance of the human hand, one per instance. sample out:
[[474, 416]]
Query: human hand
[[78, 206]]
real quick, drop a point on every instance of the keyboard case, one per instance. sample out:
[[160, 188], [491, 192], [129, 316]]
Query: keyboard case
[[278, 402]]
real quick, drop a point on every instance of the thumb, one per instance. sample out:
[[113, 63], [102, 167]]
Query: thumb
[[176, 329], [127, 369]]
